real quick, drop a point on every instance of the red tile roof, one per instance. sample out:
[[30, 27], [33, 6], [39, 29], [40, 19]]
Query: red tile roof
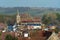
[[38, 35], [28, 18]]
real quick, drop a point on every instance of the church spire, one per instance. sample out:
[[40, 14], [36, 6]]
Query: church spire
[[18, 17], [17, 12]]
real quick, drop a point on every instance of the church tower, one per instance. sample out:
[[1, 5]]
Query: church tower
[[18, 20]]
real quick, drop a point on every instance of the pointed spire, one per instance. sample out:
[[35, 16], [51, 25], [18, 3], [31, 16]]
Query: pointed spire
[[17, 11], [18, 17]]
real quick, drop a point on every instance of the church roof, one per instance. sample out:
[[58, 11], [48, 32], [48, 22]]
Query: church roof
[[28, 18]]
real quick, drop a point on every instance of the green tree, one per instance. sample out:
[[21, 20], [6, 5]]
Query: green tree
[[58, 16], [57, 30], [8, 37], [0, 35], [46, 20]]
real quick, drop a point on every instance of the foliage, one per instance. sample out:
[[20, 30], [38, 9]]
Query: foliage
[[51, 18], [9, 37], [0, 35], [8, 19], [57, 30], [58, 16], [46, 20]]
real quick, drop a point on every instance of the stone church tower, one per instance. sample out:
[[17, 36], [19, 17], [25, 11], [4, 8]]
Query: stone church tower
[[18, 19]]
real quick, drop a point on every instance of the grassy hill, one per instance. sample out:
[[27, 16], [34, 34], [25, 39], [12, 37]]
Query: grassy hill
[[33, 10]]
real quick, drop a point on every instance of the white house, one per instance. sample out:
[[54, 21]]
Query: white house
[[34, 26]]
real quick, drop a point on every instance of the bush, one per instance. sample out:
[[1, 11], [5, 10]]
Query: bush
[[9, 37]]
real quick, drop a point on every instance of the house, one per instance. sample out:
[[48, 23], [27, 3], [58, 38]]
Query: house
[[34, 26], [10, 28], [53, 36], [27, 18], [51, 26], [2, 26], [26, 35]]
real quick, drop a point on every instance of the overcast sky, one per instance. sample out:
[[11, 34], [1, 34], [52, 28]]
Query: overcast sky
[[30, 3]]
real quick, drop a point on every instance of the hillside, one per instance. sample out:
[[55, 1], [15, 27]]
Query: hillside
[[33, 10]]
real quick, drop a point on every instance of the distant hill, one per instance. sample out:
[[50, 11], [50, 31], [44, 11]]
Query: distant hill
[[33, 10]]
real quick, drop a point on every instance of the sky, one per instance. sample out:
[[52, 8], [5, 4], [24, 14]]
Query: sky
[[30, 3]]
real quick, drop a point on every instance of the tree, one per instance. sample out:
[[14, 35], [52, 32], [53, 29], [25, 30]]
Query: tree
[[58, 16], [46, 20], [57, 29], [0, 35], [8, 37]]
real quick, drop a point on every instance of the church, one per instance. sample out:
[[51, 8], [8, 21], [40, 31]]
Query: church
[[25, 21]]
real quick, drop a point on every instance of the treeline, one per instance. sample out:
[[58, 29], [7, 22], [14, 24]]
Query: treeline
[[50, 18], [8, 19], [53, 18]]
